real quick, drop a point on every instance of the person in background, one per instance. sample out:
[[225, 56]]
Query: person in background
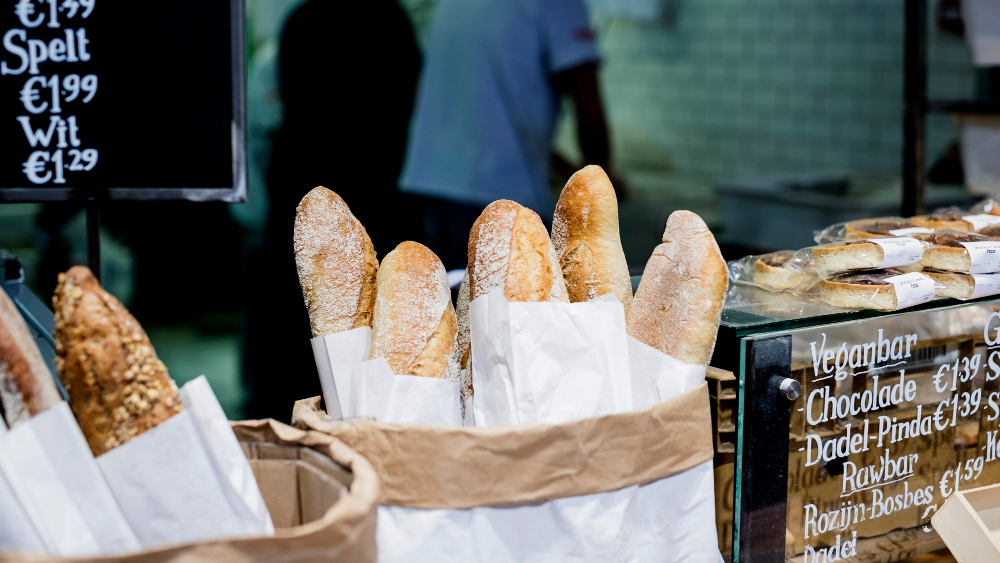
[[348, 77], [489, 98]]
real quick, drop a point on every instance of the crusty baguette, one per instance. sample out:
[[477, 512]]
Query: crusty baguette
[[463, 340], [117, 387], [26, 386], [414, 325], [336, 263], [509, 249], [587, 241], [678, 306]]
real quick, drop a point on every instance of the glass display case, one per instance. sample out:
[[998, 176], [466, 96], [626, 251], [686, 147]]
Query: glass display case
[[848, 430]]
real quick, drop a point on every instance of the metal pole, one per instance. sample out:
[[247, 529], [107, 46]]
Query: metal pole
[[93, 238], [915, 107]]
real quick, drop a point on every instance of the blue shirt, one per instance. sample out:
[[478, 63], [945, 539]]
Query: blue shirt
[[486, 109]]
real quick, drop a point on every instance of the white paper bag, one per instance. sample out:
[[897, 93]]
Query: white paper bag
[[224, 449], [167, 487], [378, 393], [547, 362], [21, 528], [67, 487], [657, 377], [336, 356]]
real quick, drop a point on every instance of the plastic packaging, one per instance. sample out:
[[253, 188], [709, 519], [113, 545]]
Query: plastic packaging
[[869, 228], [784, 270]]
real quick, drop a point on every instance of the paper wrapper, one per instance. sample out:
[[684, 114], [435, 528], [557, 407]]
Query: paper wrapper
[[547, 362], [540, 492], [66, 488], [336, 356], [169, 485], [21, 527], [378, 393], [326, 492]]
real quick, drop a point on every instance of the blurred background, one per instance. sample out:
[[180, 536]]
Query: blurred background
[[770, 119]]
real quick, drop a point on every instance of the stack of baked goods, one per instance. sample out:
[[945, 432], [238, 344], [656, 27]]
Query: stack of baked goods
[[888, 263], [115, 469], [579, 270]]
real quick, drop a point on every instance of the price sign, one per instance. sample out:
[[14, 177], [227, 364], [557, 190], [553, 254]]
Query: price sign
[[122, 100]]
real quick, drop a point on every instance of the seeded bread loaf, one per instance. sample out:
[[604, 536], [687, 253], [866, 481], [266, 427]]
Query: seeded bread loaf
[[414, 326], [509, 249], [586, 239], [117, 387], [336, 263], [26, 386], [678, 305]]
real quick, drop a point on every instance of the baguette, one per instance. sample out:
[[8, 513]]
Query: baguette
[[117, 387], [586, 239], [26, 386], [678, 306], [509, 249], [414, 326], [336, 263], [463, 341]]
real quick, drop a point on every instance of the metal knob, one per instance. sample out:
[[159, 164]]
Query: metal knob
[[791, 388]]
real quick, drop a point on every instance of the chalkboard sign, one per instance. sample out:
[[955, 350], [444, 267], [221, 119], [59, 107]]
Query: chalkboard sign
[[122, 99]]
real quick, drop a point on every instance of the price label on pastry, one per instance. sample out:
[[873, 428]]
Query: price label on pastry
[[910, 231], [985, 284], [981, 221], [912, 289], [899, 251], [108, 96], [984, 256]]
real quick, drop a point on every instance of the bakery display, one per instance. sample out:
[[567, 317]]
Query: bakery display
[[586, 239], [949, 251], [26, 386], [414, 326], [881, 227], [509, 249], [678, 305], [773, 272], [117, 387], [336, 263]]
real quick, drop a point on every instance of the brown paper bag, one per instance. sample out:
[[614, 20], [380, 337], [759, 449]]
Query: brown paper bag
[[321, 494], [634, 486]]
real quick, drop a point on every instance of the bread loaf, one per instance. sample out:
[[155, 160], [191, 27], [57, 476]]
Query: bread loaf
[[117, 387], [509, 249], [26, 386], [463, 341], [678, 306], [414, 326], [336, 263], [587, 241]]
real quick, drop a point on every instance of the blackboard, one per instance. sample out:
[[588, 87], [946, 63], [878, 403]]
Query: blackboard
[[122, 99]]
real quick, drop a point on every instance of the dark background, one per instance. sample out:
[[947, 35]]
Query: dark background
[[164, 106]]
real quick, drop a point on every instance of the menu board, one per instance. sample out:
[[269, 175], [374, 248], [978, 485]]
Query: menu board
[[122, 99], [896, 414]]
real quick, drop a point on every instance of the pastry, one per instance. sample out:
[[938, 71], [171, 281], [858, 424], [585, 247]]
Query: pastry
[[948, 252], [866, 254], [880, 227], [26, 386], [771, 272], [509, 249], [586, 239], [864, 289], [952, 284], [336, 263], [678, 305], [954, 220], [117, 387], [414, 326]]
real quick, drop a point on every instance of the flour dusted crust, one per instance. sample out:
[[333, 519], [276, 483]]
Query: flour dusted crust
[[771, 272], [117, 387], [951, 284], [586, 239], [414, 326], [336, 262], [949, 254], [463, 340], [861, 290], [875, 228], [509, 249], [26, 386], [851, 255], [678, 305], [950, 220]]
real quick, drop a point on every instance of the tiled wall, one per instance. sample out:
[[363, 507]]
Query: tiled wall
[[737, 88]]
